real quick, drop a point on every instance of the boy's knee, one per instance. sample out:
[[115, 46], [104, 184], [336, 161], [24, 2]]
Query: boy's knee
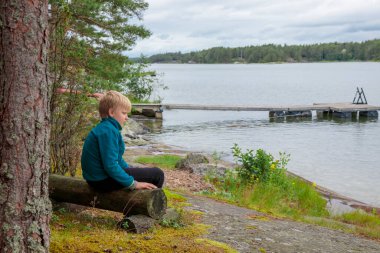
[[159, 172]]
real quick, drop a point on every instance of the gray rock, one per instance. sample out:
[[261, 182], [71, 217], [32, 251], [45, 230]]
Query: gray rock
[[249, 234], [132, 132], [190, 160], [136, 141], [208, 169], [199, 164], [171, 215], [132, 128]]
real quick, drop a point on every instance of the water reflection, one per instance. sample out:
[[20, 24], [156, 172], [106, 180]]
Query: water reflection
[[340, 120]]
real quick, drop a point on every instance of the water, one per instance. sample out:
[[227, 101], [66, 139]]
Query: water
[[342, 155]]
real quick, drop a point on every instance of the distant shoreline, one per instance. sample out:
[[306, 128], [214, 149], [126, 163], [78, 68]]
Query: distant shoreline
[[249, 63], [324, 52]]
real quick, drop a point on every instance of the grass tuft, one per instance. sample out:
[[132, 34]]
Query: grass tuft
[[162, 161], [365, 224]]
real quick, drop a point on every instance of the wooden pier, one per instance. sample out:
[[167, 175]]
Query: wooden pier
[[341, 110]]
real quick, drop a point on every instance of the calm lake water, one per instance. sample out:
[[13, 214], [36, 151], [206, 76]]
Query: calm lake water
[[342, 155]]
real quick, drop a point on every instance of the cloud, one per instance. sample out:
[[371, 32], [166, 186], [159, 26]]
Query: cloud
[[190, 25]]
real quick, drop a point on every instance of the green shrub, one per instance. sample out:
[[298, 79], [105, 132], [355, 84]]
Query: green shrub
[[253, 167], [261, 182]]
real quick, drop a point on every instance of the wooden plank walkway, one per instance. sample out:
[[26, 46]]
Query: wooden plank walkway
[[338, 107]]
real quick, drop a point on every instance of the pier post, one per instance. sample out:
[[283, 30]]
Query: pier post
[[302, 114], [369, 114], [158, 115], [276, 114], [323, 114], [342, 114], [151, 113]]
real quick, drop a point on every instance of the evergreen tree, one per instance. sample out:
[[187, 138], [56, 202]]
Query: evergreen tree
[[88, 39]]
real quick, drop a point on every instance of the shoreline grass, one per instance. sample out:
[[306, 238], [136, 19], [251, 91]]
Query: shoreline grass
[[166, 161], [283, 195]]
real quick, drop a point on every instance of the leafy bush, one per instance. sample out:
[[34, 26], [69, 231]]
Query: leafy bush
[[261, 182], [255, 167]]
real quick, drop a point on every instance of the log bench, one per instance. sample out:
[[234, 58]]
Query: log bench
[[149, 203]]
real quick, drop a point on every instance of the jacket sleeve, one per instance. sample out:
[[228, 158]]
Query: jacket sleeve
[[123, 163], [108, 146]]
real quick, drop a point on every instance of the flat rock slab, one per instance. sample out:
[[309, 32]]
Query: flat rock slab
[[250, 231]]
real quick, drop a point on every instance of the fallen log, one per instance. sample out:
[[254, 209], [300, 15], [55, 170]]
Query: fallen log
[[151, 203], [137, 223], [140, 223]]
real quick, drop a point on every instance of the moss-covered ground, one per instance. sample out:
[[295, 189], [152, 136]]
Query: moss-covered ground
[[94, 230]]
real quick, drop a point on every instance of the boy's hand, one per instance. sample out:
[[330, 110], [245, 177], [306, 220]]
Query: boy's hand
[[143, 185]]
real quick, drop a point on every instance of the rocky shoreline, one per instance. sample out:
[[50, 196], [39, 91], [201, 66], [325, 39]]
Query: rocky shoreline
[[138, 145]]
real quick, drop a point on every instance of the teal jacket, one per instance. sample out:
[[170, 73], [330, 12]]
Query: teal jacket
[[102, 154]]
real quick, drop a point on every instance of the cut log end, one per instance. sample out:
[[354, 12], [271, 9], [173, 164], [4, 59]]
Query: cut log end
[[137, 223]]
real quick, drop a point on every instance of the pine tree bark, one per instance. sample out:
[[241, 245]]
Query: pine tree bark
[[24, 127]]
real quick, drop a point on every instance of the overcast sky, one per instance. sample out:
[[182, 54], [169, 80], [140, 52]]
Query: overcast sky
[[191, 25]]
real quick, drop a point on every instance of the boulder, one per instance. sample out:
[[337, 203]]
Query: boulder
[[199, 164], [208, 169], [132, 132], [132, 128], [190, 160]]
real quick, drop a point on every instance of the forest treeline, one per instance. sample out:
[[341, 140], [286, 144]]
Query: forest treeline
[[349, 51]]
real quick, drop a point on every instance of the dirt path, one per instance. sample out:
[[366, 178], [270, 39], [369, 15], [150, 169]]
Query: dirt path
[[250, 231]]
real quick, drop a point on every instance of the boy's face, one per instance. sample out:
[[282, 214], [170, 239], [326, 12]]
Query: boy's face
[[120, 114]]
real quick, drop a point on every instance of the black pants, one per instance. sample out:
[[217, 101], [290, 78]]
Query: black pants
[[149, 175]]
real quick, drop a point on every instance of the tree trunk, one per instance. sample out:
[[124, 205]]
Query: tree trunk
[[24, 126], [75, 190]]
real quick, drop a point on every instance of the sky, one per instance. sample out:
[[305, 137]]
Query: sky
[[193, 25]]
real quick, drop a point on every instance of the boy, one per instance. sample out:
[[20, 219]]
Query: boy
[[102, 157]]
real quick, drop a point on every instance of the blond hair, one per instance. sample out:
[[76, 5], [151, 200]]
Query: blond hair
[[112, 100]]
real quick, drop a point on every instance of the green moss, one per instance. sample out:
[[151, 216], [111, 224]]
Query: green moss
[[251, 227], [262, 250], [172, 196], [163, 161], [175, 200], [221, 245], [82, 233], [94, 230], [196, 212]]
